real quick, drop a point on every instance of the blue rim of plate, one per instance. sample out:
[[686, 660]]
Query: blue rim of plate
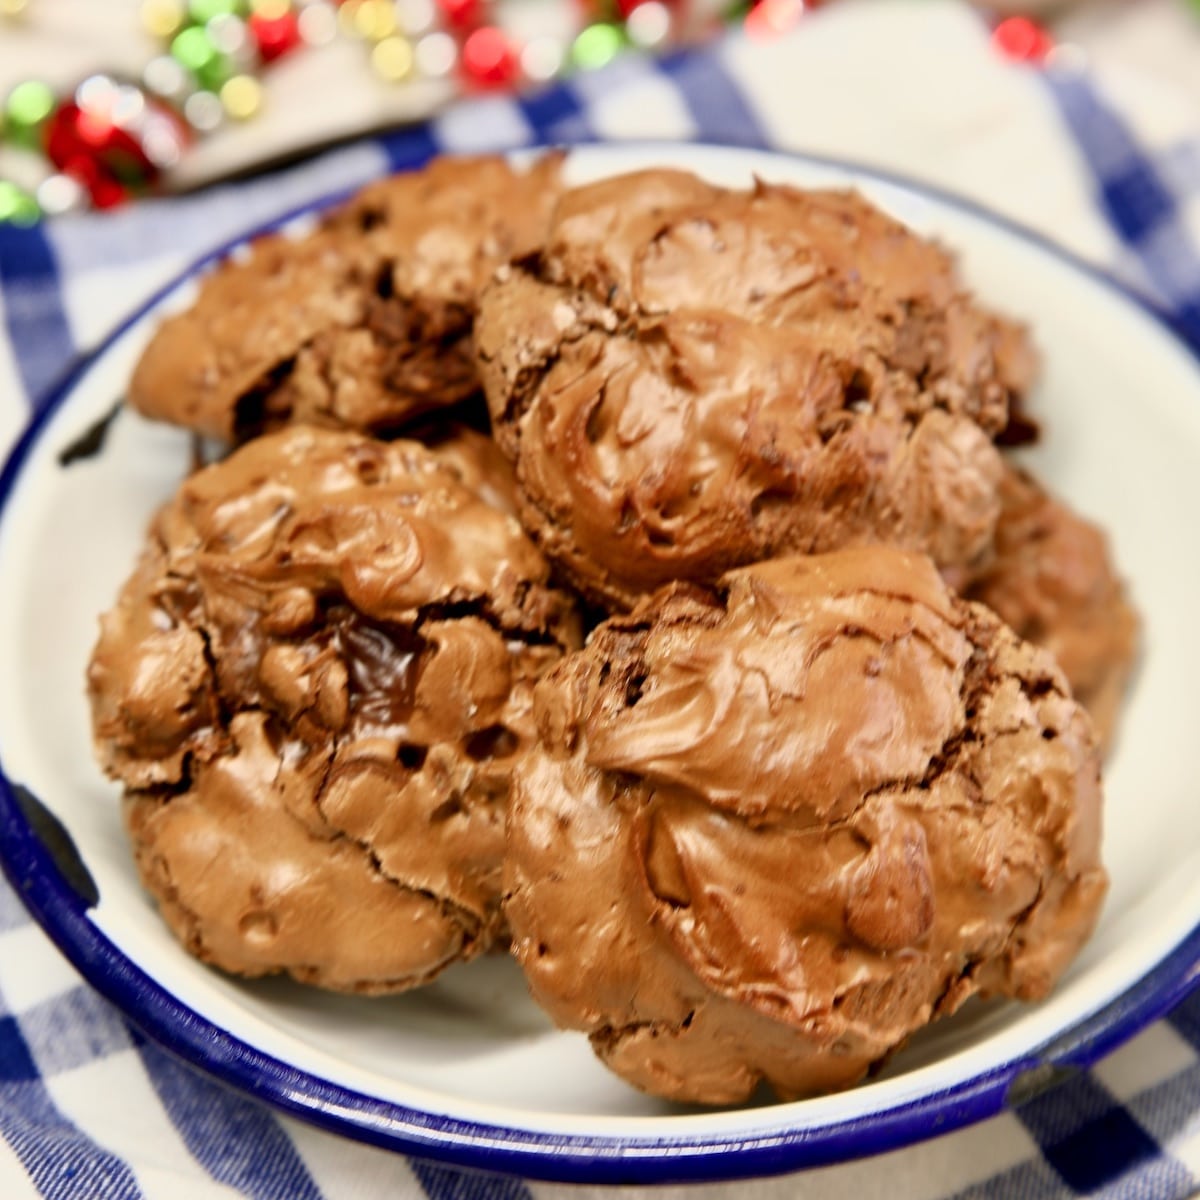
[[34, 871]]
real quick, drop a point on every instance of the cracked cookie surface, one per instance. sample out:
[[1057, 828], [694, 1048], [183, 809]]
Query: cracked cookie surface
[[775, 826], [313, 688], [689, 378], [1053, 580], [365, 323]]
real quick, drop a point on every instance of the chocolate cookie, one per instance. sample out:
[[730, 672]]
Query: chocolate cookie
[[1053, 580], [689, 378], [365, 323], [775, 826], [314, 688]]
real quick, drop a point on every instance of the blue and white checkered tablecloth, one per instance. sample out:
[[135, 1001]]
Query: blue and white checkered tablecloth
[[90, 1108]]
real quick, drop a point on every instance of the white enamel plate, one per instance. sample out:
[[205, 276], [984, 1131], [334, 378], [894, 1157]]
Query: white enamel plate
[[468, 1071]]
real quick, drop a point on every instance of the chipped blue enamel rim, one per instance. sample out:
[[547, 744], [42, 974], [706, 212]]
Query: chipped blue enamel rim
[[30, 859]]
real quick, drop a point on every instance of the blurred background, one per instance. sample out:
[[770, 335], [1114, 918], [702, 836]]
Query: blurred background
[[108, 101]]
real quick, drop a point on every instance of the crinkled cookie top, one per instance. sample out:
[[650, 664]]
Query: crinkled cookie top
[[314, 688], [775, 826], [364, 323], [688, 378]]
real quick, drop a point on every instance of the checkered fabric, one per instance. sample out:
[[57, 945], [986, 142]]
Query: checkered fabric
[[90, 1108]]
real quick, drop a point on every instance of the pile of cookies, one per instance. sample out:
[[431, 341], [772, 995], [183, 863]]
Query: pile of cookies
[[632, 576]]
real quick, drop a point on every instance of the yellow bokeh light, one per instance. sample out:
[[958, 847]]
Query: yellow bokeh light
[[161, 18], [392, 59], [242, 97], [375, 19]]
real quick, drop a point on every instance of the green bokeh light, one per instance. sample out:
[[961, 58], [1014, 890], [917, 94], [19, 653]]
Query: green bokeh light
[[597, 45], [17, 206], [28, 105], [203, 11], [193, 50]]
